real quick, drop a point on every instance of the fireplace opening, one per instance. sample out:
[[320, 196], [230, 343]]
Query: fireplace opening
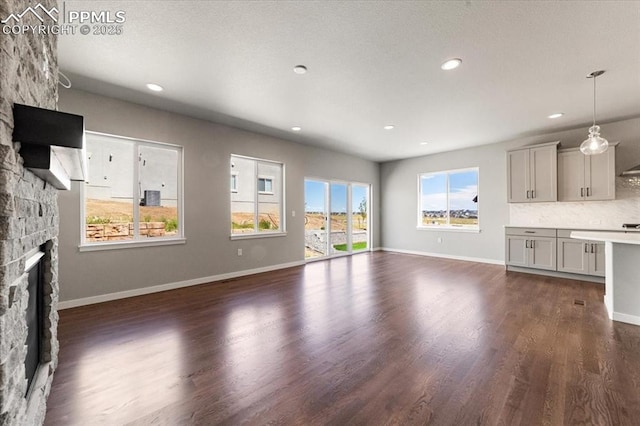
[[35, 314]]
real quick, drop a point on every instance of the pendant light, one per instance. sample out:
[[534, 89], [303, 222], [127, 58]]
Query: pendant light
[[594, 144]]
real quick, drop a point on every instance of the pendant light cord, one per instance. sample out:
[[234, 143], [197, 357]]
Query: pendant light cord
[[594, 100]]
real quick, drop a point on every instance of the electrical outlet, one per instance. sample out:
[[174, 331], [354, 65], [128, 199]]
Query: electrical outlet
[[239, 252], [439, 240], [293, 213]]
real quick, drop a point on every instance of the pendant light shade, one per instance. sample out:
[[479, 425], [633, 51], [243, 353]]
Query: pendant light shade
[[594, 144]]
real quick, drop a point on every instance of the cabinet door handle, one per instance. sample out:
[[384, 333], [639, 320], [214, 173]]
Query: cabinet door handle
[[593, 248], [531, 242], [528, 194], [582, 192], [586, 247], [526, 243], [588, 191], [533, 193]]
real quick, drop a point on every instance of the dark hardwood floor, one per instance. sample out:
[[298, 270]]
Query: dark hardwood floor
[[377, 338]]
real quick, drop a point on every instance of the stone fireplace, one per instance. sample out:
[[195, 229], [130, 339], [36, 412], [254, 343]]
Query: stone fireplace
[[34, 269], [28, 222]]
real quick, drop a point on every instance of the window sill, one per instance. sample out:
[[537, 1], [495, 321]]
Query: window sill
[[117, 245], [448, 229], [261, 235]]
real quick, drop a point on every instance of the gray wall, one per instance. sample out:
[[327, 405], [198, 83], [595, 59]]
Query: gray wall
[[399, 192], [209, 250]]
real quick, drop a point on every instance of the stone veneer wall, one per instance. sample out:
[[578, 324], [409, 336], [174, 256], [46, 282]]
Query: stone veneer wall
[[28, 219]]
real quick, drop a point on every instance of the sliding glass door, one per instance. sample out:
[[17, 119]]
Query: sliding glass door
[[339, 222], [316, 233], [359, 217], [336, 218]]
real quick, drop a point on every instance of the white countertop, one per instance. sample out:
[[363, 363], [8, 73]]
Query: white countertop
[[614, 237], [573, 228]]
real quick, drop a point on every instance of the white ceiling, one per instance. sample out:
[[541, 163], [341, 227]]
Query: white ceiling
[[371, 63]]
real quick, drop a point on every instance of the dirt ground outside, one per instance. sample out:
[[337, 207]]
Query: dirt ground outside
[[338, 222], [108, 220]]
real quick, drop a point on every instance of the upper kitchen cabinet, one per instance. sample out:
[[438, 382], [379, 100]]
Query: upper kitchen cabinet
[[533, 173], [586, 177]]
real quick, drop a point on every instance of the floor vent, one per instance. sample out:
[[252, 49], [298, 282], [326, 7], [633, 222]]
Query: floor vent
[[578, 302]]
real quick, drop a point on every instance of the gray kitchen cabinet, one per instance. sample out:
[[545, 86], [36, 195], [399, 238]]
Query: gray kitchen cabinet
[[516, 250], [542, 253], [586, 177], [573, 256], [596, 258], [533, 174], [581, 257], [531, 248], [553, 250]]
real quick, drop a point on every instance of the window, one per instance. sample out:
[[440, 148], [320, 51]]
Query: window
[[265, 185], [257, 202], [448, 199], [234, 182], [133, 192]]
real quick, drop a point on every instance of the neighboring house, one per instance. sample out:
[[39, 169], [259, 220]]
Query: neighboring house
[[250, 178], [110, 166]]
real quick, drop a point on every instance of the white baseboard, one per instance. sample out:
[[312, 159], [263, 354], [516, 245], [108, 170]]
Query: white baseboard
[[170, 286], [446, 256], [629, 319]]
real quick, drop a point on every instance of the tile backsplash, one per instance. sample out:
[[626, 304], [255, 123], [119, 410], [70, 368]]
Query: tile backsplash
[[584, 214]]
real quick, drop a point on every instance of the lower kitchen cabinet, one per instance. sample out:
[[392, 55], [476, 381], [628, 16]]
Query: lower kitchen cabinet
[[581, 257], [531, 248], [553, 250], [542, 253], [596, 261]]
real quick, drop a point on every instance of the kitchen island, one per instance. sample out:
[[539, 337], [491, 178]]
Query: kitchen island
[[622, 277]]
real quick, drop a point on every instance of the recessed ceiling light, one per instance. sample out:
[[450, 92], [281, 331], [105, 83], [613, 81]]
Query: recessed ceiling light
[[300, 69], [296, 128], [424, 143], [154, 87], [556, 115], [451, 64], [389, 127]]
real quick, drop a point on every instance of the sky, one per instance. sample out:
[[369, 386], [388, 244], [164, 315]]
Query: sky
[[314, 196], [463, 188]]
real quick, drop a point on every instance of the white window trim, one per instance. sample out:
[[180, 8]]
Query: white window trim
[[282, 232], [137, 241], [118, 245], [262, 234], [266, 178], [448, 228]]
